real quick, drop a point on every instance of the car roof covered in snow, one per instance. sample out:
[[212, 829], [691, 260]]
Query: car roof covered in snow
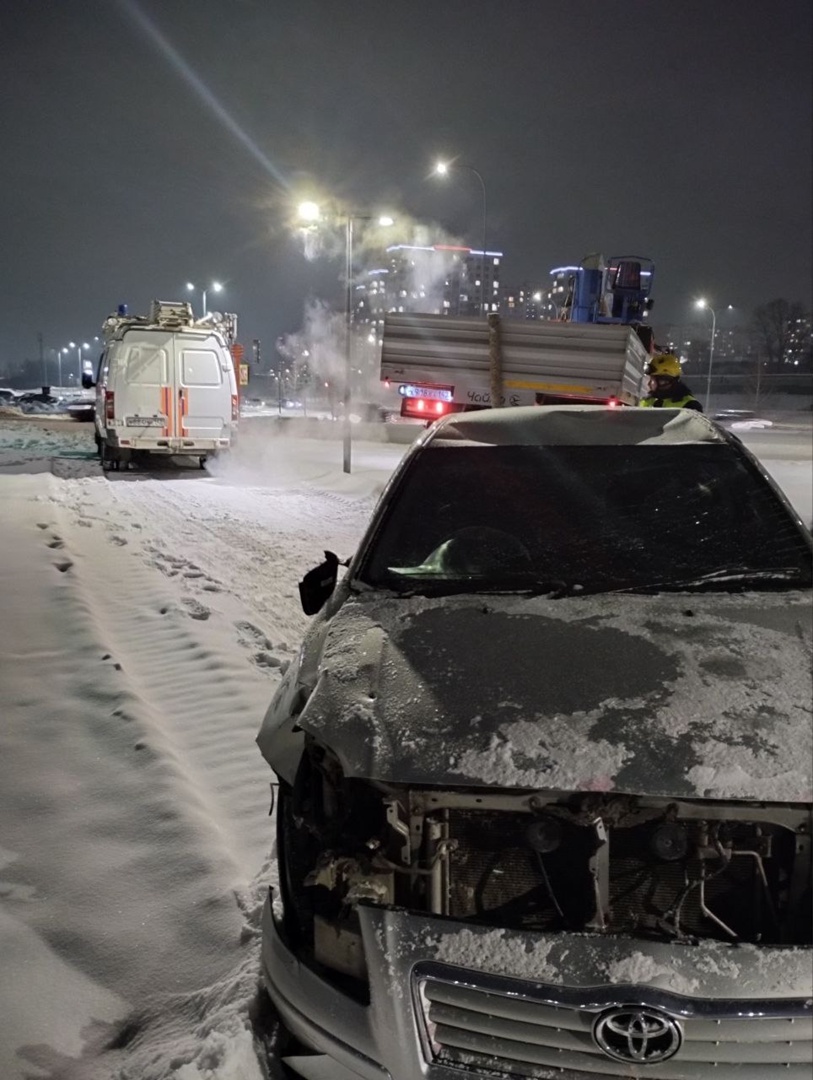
[[574, 425]]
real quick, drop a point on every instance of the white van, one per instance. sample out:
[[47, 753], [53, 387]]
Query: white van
[[165, 385]]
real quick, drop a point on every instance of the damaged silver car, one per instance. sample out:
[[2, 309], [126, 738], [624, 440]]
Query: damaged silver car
[[544, 765]]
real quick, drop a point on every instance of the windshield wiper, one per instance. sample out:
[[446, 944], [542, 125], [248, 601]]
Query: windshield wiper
[[485, 586], [739, 577]]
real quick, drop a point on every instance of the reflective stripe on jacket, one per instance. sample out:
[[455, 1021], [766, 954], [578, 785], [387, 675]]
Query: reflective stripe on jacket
[[688, 401]]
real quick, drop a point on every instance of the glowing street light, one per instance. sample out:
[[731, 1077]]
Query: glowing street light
[[443, 168], [703, 304], [214, 287], [309, 212]]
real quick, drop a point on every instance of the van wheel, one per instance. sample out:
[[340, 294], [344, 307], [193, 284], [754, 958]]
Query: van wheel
[[202, 462]]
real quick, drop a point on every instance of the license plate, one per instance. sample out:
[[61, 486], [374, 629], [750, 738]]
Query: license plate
[[145, 421], [437, 393]]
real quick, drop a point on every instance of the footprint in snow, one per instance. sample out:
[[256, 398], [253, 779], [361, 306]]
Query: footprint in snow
[[195, 609], [119, 541], [266, 659], [62, 567], [159, 564], [42, 525], [57, 543], [251, 636]]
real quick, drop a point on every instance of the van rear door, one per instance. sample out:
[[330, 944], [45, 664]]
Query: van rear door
[[204, 393], [143, 396]]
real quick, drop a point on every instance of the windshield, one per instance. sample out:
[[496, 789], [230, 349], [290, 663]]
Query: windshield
[[592, 518]]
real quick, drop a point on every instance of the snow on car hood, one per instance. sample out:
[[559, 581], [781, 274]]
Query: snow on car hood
[[703, 696]]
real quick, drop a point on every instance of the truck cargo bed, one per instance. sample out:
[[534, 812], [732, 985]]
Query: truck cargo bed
[[584, 361]]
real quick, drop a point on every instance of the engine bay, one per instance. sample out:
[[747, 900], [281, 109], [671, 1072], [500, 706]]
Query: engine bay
[[648, 868]]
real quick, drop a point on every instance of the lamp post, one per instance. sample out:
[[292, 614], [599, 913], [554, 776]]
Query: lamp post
[[310, 213], [442, 168], [215, 287], [706, 306], [74, 345]]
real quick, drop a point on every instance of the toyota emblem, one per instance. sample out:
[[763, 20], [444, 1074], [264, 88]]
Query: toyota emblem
[[642, 1036]]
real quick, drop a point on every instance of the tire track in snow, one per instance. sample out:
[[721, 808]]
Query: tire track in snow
[[253, 543], [198, 704]]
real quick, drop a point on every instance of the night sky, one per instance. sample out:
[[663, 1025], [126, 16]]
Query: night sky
[[147, 143]]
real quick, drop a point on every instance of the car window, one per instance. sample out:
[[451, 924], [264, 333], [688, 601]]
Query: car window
[[597, 516], [200, 367], [146, 365]]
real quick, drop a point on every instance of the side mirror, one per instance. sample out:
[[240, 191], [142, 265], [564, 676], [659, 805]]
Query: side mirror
[[317, 585], [87, 381]]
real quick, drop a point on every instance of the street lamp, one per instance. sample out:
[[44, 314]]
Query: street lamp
[[443, 168], [215, 287], [73, 345], [701, 303], [310, 214]]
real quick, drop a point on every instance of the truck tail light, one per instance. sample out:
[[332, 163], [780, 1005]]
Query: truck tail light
[[235, 407], [425, 408], [109, 404]]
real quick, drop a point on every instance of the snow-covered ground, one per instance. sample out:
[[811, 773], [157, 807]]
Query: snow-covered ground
[[147, 621]]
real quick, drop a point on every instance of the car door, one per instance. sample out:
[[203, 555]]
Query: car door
[[204, 401]]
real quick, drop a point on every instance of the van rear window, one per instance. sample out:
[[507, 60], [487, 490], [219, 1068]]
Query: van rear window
[[147, 364], [200, 367]]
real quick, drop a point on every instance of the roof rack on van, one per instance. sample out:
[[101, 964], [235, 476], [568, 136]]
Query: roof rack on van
[[170, 315], [166, 314]]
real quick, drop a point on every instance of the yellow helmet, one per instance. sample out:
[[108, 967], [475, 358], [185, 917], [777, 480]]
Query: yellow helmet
[[664, 364]]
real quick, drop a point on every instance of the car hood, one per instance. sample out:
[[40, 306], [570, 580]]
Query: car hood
[[699, 696]]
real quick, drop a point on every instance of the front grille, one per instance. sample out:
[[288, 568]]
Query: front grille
[[514, 1034]]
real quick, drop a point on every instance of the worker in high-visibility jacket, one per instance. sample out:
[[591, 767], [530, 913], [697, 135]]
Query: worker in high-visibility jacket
[[666, 388]]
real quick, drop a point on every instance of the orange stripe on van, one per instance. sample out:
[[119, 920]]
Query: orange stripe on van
[[183, 401], [165, 408]]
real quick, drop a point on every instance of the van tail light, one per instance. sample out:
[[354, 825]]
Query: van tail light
[[612, 403], [235, 407], [109, 404]]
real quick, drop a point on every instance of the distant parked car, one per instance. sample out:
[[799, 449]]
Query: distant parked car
[[544, 765], [36, 397]]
